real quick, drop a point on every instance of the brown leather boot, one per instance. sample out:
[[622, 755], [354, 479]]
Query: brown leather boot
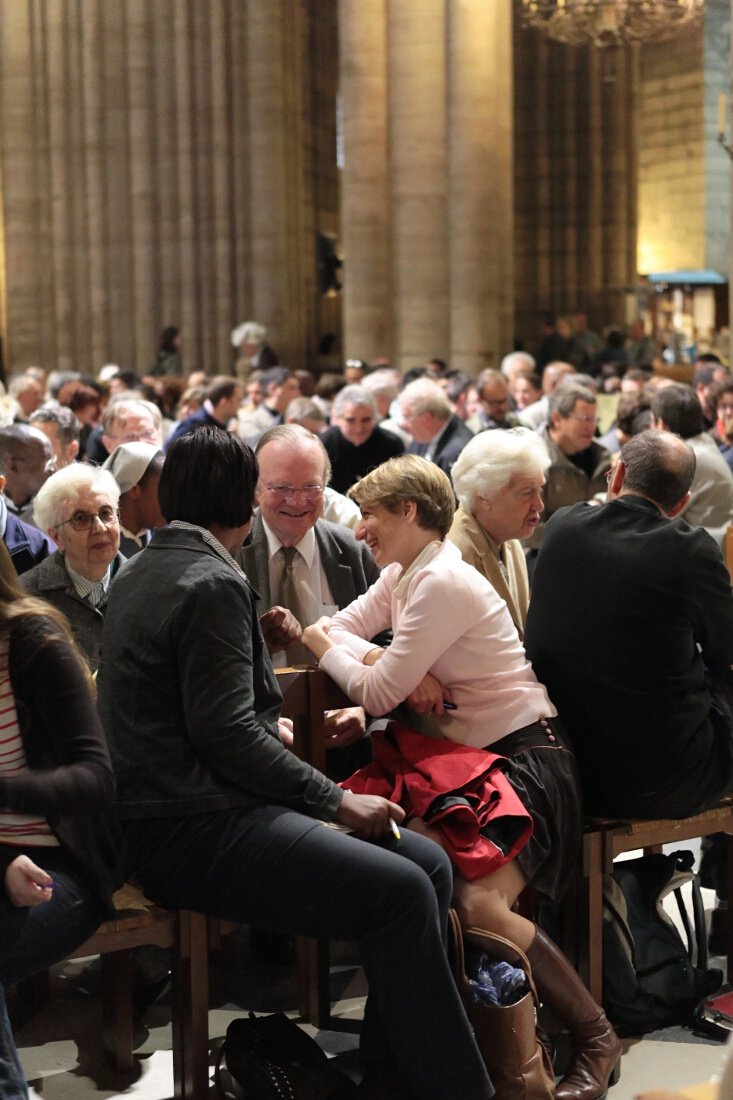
[[597, 1047]]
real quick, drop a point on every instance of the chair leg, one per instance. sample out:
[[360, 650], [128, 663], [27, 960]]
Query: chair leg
[[314, 975], [117, 1022], [190, 1008]]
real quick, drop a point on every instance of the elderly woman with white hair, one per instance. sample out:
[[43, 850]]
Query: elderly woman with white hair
[[498, 479], [78, 508]]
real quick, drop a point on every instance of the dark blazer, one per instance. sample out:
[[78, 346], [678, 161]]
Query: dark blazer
[[454, 439], [26, 545], [631, 615], [349, 566], [51, 582], [199, 419]]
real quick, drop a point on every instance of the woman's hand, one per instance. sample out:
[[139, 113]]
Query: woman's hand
[[368, 815], [429, 696], [316, 639], [285, 729], [344, 727], [26, 883]]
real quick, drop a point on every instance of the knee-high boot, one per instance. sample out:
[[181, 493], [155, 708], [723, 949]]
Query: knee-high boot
[[597, 1049]]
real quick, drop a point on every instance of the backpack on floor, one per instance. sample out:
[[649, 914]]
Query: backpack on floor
[[651, 978]]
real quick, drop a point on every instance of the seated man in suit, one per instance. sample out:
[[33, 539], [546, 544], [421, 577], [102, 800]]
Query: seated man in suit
[[294, 558], [630, 627], [438, 434]]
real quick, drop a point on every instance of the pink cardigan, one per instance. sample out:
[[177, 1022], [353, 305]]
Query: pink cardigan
[[447, 620]]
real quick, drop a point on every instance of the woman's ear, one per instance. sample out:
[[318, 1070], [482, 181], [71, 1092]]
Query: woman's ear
[[409, 509]]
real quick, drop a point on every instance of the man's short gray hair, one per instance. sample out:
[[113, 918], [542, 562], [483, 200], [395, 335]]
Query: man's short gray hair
[[382, 382], [357, 396], [562, 400], [57, 497], [425, 396], [121, 407], [304, 408], [491, 459], [62, 417]]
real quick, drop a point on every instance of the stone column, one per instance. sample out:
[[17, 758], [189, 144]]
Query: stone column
[[426, 187]]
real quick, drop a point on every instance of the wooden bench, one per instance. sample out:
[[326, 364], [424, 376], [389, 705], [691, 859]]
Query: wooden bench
[[603, 840], [139, 923]]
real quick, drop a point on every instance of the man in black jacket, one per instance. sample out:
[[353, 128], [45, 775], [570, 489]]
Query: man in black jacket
[[630, 627]]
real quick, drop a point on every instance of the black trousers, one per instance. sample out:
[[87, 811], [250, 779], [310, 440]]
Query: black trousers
[[277, 869]]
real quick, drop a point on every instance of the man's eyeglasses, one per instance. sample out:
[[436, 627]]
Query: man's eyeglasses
[[84, 521], [585, 419], [285, 491]]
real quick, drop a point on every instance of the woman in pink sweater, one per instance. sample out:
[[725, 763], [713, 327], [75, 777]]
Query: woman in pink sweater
[[457, 662]]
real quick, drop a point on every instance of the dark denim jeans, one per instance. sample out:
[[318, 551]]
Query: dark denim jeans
[[274, 868], [12, 1081], [35, 937]]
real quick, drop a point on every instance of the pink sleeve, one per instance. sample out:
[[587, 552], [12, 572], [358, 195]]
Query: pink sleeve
[[436, 615]]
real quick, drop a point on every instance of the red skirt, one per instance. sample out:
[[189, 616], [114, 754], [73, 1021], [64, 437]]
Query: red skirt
[[459, 791]]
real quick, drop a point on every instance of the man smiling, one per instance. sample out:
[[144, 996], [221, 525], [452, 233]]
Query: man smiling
[[355, 443], [327, 567]]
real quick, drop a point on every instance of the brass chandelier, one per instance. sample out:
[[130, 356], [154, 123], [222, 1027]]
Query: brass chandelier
[[608, 23]]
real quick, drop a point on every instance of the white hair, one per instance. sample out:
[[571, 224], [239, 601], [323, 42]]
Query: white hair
[[491, 459], [56, 499], [518, 360], [384, 381], [425, 396]]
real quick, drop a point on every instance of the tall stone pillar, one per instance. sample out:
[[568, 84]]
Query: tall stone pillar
[[426, 186]]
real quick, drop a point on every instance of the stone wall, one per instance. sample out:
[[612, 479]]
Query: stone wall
[[158, 166]]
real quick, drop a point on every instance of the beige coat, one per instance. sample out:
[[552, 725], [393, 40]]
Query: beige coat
[[470, 539]]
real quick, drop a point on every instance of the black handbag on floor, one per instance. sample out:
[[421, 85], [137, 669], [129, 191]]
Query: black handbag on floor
[[271, 1058]]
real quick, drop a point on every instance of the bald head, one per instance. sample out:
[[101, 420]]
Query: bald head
[[656, 465]]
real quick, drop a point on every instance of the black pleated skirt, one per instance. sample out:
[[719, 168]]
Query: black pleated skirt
[[542, 770]]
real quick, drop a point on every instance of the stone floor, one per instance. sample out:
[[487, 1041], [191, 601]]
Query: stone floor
[[61, 1055]]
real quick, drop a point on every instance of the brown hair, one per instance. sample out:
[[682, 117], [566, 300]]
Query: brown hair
[[406, 478]]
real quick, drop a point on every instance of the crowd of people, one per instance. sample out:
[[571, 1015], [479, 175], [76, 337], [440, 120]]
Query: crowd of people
[[531, 619]]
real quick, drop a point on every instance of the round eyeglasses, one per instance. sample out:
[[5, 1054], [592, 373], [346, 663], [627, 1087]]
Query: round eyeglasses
[[84, 521]]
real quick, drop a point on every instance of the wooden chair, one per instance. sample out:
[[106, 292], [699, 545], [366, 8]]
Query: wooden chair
[[603, 840], [139, 923]]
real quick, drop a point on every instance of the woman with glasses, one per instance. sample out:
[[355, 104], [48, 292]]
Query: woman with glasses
[[59, 843], [77, 508], [488, 735]]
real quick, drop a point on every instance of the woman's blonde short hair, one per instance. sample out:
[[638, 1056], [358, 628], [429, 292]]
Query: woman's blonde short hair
[[410, 478]]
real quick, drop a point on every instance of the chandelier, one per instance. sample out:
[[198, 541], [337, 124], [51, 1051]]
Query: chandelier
[[609, 22]]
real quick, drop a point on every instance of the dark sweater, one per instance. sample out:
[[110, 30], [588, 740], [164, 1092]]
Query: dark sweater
[[69, 778], [351, 463]]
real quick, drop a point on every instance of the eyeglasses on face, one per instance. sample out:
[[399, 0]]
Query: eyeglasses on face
[[585, 419], [84, 521], [285, 491]]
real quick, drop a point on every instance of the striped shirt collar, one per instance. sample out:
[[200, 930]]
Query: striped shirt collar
[[210, 540], [94, 592]]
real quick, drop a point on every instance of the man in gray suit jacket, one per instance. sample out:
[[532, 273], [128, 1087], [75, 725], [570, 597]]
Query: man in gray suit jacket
[[328, 568]]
